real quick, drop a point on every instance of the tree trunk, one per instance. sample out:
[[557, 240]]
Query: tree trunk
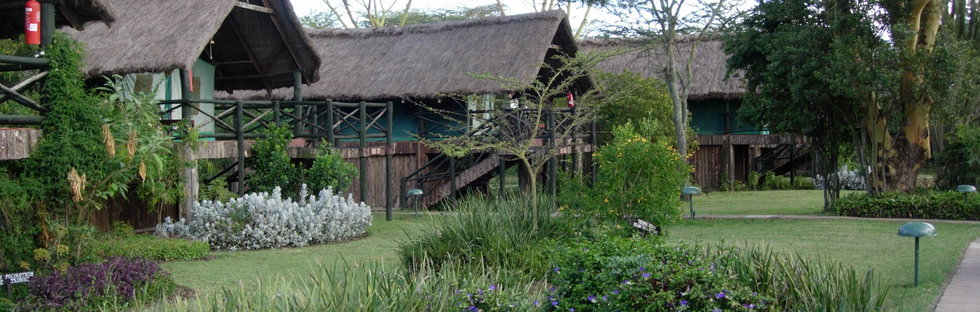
[[673, 85]]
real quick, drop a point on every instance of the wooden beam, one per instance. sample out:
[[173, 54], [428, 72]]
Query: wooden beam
[[23, 100], [73, 19], [237, 32], [24, 84], [257, 8], [282, 35]]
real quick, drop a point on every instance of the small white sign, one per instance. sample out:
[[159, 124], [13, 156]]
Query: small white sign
[[645, 226], [16, 278]]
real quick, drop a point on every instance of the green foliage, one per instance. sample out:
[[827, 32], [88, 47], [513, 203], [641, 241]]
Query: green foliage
[[217, 190], [149, 247], [509, 233], [329, 170], [271, 164], [753, 180], [801, 284], [961, 158], [73, 133], [629, 97], [318, 20], [18, 224], [770, 181], [948, 205], [638, 274], [637, 178], [376, 287]]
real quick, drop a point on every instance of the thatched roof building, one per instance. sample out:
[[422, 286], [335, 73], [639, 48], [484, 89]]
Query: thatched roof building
[[252, 46], [74, 13], [434, 60], [708, 68]]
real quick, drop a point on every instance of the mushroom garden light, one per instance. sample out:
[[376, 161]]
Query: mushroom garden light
[[917, 230], [417, 194], [966, 189], [690, 191]]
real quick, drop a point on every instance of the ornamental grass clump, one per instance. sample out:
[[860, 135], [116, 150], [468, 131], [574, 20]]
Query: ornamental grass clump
[[267, 220]]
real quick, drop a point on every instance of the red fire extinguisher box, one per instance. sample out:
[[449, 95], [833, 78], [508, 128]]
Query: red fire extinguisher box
[[32, 22]]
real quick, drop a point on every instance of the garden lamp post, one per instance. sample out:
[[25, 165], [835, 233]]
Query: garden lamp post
[[917, 230], [690, 191], [966, 190], [417, 194]]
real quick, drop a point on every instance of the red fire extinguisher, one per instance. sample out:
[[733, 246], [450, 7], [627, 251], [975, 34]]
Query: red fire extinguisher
[[571, 99], [32, 22]]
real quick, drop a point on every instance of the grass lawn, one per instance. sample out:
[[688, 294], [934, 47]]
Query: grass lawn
[[860, 244], [228, 268], [794, 202]]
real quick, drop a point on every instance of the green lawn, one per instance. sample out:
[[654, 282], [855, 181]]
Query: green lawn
[[228, 268], [795, 202], [859, 244]]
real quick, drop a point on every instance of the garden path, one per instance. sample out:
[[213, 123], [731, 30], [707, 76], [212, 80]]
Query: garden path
[[961, 295]]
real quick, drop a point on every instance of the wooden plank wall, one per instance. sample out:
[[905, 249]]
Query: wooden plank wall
[[732, 154], [18, 143], [707, 166]]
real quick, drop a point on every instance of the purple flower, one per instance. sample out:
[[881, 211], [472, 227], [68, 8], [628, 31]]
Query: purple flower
[[554, 303], [646, 275], [716, 310], [627, 282], [492, 287], [537, 303], [683, 302], [479, 292], [592, 299], [556, 269], [604, 298], [641, 268], [571, 309], [472, 308], [615, 291], [749, 306], [720, 295]]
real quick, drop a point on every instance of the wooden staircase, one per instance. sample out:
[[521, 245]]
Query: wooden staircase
[[462, 179]]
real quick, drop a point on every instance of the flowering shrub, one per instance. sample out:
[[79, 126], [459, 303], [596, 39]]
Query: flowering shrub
[[849, 180], [92, 284], [635, 274], [264, 220], [636, 178], [489, 299]]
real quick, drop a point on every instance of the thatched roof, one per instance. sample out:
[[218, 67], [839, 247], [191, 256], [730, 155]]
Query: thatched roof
[[161, 36], [708, 69], [74, 13], [433, 60]]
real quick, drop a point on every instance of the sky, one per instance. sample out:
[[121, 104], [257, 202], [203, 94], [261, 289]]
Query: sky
[[304, 7]]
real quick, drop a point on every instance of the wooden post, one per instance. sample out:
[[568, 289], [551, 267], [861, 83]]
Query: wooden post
[[240, 140], [362, 132], [501, 174], [792, 159], [190, 173], [552, 173], [452, 175], [276, 113], [48, 12], [592, 141], [576, 156], [298, 96], [330, 123], [389, 110], [403, 193]]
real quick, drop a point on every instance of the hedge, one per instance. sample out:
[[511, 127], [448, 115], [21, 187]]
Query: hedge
[[922, 205]]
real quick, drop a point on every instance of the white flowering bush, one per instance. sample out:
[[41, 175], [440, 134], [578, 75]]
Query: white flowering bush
[[849, 180], [263, 220]]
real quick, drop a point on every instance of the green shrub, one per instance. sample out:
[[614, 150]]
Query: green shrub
[[629, 97], [148, 247], [217, 190], [18, 223], [495, 232], [635, 274], [801, 284], [271, 164], [753, 180], [924, 205], [961, 158], [329, 170], [637, 178], [770, 182], [804, 183]]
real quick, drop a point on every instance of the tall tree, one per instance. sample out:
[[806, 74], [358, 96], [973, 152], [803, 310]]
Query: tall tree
[[876, 61], [662, 24]]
